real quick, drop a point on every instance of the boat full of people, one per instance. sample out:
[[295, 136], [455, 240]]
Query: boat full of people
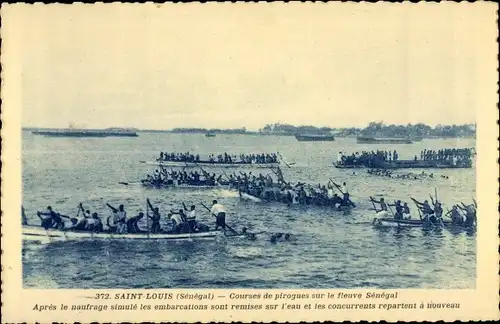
[[183, 225], [430, 215], [162, 178], [380, 159], [225, 160], [264, 188]]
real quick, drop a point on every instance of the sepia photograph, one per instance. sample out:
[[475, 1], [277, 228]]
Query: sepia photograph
[[324, 146]]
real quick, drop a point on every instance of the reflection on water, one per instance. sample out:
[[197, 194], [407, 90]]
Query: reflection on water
[[332, 249]]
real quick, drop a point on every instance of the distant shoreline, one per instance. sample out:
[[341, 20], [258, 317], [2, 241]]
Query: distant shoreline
[[217, 132]]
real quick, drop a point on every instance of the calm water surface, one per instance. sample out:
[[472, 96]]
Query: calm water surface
[[332, 250]]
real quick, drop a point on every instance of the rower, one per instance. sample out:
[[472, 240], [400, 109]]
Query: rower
[[336, 201], [383, 207], [94, 223], [406, 211], [399, 210], [155, 226], [470, 216], [191, 216], [132, 226], [220, 213], [119, 218], [176, 222], [50, 219], [456, 218], [82, 222]]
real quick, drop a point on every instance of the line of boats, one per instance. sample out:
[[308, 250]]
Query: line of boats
[[263, 189]]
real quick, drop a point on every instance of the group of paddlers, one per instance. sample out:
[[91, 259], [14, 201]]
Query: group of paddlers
[[225, 158], [164, 177], [460, 214], [367, 159], [264, 187], [182, 221]]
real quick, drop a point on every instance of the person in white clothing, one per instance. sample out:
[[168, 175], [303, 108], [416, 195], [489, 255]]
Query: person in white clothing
[[176, 222], [191, 216], [220, 213], [339, 158]]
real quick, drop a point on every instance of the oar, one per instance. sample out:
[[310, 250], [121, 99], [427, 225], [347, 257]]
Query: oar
[[288, 165], [373, 203], [338, 187], [418, 208], [216, 217], [475, 203]]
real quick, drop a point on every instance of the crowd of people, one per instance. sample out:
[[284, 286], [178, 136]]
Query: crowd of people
[[162, 177], [259, 158], [376, 159], [454, 156], [181, 221], [269, 189], [367, 159], [430, 213]]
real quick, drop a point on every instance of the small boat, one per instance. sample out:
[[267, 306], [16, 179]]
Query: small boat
[[206, 164], [38, 233], [209, 135], [314, 137]]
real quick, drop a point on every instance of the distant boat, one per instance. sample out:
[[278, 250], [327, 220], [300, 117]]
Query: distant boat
[[373, 140], [109, 132], [209, 135], [314, 137]]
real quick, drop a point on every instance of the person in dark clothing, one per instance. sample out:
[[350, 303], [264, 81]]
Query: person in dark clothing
[[132, 226]]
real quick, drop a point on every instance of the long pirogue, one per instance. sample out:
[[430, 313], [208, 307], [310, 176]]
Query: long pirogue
[[38, 233], [211, 164]]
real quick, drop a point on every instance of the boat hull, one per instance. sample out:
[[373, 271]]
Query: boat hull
[[210, 165], [36, 233], [372, 140], [414, 223], [315, 138]]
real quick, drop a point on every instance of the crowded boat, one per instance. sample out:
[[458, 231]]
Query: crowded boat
[[266, 188], [224, 158], [381, 159], [431, 214], [163, 178], [179, 221]]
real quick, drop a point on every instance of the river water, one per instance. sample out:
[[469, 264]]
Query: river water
[[331, 250]]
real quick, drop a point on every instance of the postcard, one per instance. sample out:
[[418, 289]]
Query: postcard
[[249, 162]]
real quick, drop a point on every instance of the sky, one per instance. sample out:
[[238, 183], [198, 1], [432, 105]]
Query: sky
[[247, 65]]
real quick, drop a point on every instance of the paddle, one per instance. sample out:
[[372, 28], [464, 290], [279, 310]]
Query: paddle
[[418, 208], [373, 203], [216, 217], [338, 187], [288, 165]]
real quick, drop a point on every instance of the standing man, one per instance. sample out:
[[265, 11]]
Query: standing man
[[220, 213]]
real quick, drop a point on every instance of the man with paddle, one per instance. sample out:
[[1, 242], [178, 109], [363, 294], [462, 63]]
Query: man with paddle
[[155, 226], [219, 212], [119, 218]]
